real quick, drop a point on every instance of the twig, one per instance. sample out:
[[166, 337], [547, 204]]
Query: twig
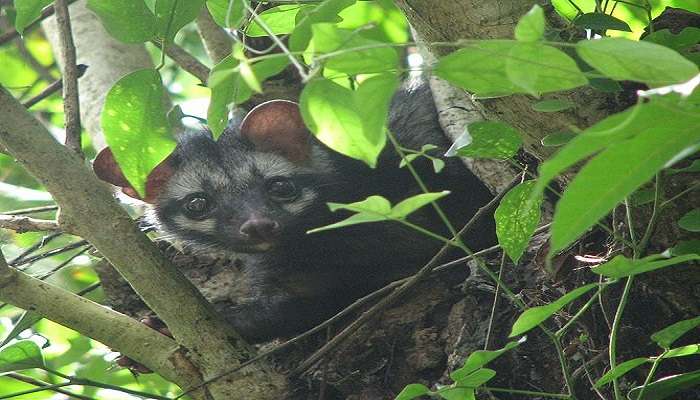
[[185, 60], [50, 253], [216, 41], [21, 224], [45, 13], [71, 103], [36, 246], [39, 383], [31, 210], [52, 88], [410, 283]]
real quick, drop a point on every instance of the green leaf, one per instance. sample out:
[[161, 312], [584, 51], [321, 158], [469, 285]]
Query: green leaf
[[327, 38], [129, 21], [412, 391], [620, 370], [619, 170], [476, 378], [411, 204], [646, 62], [479, 358], [27, 12], [530, 28], [536, 315], [456, 393], [667, 336], [26, 321], [227, 17], [24, 354], [280, 20], [553, 105], [601, 22], [691, 221], [683, 351], [686, 38], [620, 266], [135, 125], [686, 247], [667, 386], [172, 15], [605, 85], [517, 218], [557, 139], [229, 87], [351, 123], [642, 196], [693, 167], [372, 209], [502, 67], [487, 139], [537, 68], [327, 11]]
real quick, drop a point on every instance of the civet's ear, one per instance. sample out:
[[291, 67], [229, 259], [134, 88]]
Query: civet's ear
[[276, 126], [107, 169]]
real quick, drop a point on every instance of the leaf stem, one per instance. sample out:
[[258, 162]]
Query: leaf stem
[[652, 371]]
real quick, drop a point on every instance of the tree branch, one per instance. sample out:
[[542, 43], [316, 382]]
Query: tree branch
[[212, 346], [185, 60], [21, 224], [71, 104], [52, 88], [216, 41]]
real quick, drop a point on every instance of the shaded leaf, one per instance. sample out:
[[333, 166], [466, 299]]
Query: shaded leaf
[[20, 355], [228, 13], [601, 22], [412, 391], [557, 139], [135, 125], [129, 21], [280, 20], [620, 266], [646, 62], [327, 11], [537, 68], [693, 167], [686, 247], [667, 336], [534, 316], [172, 15], [479, 358], [667, 386], [691, 221], [476, 378], [686, 38], [487, 139], [620, 370], [530, 27], [517, 217], [27, 12], [411, 204]]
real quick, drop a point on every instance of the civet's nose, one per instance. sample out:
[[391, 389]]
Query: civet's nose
[[260, 229]]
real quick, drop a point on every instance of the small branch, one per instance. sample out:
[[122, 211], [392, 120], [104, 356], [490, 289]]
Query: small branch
[[71, 103], [185, 60], [31, 210], [216, 41], [47, 386], [22, 224], [52, 88]]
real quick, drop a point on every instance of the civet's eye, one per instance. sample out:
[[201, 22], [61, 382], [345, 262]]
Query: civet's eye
[[196, 205], [282, 189]]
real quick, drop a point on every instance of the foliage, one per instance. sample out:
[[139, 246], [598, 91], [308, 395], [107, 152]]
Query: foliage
[[348, 54]]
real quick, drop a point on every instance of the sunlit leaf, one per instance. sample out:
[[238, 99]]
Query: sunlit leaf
[[620, 370], [407, 206], [683, 351], [26, 321], [487, 139], [530, 28], [20, 355], [135, 125], [326, 11], [620, 266], [534, 316], [517, 217], [129, 21], [646, 62], [352, 123], [537, 68], [476, 378], [667, 336], [280, 20]]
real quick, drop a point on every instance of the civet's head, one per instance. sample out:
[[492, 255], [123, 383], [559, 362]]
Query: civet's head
[[262, 182]]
